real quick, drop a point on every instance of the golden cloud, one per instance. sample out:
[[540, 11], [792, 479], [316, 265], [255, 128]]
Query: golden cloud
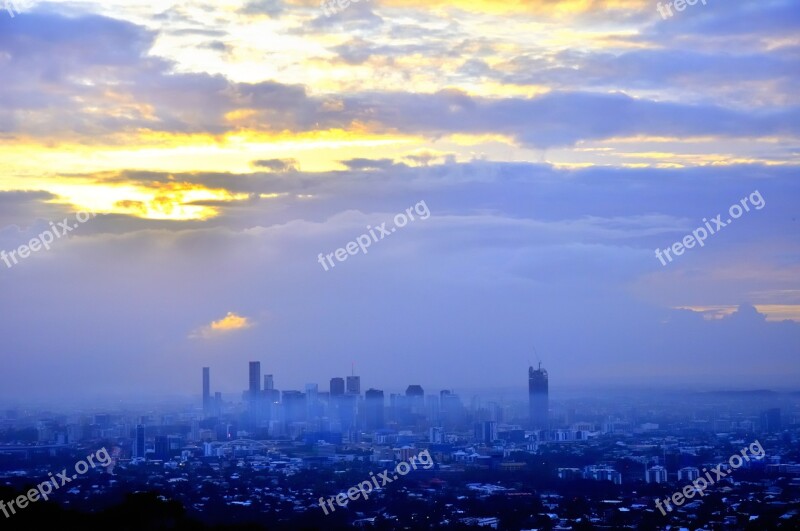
[[226, 325]]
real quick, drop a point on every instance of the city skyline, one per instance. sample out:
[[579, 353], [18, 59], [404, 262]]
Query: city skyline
[[172, 172], [400, 265]]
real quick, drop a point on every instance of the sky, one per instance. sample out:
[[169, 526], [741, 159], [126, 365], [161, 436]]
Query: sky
[[222, 152]]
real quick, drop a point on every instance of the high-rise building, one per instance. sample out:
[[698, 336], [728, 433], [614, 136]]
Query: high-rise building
[[415, 390], [416, 399], [138, 444], [254, 395], [294, 406], [206, 391], [436, 435], [373, 409], [486, 432], [337, 386], [255, 379], [313, 406], [771, 420], [161, 447], [688, 473], [346, 412], [538, 397], [354, 385], [451, 410], [270, 401], [656, 474], [217, 404]]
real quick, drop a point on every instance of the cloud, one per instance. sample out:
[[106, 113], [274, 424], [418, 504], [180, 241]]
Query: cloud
[[271, 8], [228, 324], [276, 165], [135, 92]]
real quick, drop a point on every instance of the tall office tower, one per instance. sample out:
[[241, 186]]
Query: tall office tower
[[337, 386], [433, 409], [138, 444], [270, 400], [254, 395], [313, 406], [347, 412], [373, 409], [255, 379], [538, 397], [452, 411], [416, 399], [486, 432], [217, 404], [771, 420], [294, 406], [162, 448], [354, 385], [415, 390], [206, 391]]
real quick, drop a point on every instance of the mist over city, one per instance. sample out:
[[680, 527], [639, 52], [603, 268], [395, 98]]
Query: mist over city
[[400, 264]]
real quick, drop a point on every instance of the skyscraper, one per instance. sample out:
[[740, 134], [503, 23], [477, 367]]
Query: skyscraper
[[354, 385], [254, 395], [138, 444], [255, 379], [217, 404], [313, 406], [771, 420], [538, 397], [270, 400], [337, 386], [373, 409], [294, 406], [206, 391], [486, 432]]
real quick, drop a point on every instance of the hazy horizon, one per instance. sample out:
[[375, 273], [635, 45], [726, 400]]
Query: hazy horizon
[[231, 151]]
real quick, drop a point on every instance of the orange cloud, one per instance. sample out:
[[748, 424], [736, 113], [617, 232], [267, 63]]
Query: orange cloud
[[229, 323]]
